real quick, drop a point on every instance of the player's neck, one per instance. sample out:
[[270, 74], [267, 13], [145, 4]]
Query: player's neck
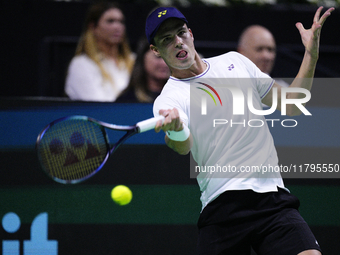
[[198, 67]]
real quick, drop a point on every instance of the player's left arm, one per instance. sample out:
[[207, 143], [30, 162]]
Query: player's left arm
[[304, 79]]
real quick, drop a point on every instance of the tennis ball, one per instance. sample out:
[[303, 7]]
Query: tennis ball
[[121, 194]]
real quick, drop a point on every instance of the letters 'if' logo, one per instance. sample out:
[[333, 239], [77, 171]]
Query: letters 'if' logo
[[204, 100]]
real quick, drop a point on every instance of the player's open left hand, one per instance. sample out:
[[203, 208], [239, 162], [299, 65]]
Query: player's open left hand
[[311, 37]]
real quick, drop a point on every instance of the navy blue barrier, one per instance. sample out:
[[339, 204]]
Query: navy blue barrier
[[20, 126], [321, 129]]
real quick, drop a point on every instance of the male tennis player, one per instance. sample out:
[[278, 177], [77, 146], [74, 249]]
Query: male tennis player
[[245, 211]]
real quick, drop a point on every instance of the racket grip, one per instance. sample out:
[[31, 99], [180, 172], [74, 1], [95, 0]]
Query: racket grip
[[149, 124]]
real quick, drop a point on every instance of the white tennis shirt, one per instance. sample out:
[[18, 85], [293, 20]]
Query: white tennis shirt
[[243, 143]]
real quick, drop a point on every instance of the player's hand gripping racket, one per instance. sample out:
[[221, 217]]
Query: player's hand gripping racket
[[74, 148]]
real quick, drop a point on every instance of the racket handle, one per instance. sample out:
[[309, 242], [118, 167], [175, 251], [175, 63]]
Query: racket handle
[[149, 124]]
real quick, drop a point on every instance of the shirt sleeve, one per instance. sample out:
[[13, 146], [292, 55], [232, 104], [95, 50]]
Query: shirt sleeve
[[263, 81]]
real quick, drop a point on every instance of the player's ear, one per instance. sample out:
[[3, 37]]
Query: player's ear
[[154, 49], [191, 34]]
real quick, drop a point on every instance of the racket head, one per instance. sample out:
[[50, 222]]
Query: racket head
[[72, 149]]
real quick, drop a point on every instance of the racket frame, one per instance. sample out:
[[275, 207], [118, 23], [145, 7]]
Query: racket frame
[[140, 127]]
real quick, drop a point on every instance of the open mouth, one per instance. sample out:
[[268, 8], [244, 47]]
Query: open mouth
[[182, 54]]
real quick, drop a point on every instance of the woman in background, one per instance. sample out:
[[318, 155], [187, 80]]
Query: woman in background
[[149, 75], [101, 67]]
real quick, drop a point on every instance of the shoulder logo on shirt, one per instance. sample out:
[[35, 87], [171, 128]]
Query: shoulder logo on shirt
[[160, 14], [231, 67]]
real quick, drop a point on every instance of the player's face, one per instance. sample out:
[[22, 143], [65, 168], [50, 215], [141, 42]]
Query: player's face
[[111, 27], [174, 42]]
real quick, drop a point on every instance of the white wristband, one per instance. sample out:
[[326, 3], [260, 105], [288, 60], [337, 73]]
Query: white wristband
[[179, 135]]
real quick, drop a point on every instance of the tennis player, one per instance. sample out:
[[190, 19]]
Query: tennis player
[[245, 211]]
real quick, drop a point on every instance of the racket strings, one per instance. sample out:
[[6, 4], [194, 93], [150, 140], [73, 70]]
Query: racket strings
[[73, 149]]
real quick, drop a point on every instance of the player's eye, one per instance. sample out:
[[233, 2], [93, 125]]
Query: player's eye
[[166, 39], [181, 33]]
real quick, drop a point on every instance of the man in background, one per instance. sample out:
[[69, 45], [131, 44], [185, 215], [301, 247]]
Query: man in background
[[258, 44]]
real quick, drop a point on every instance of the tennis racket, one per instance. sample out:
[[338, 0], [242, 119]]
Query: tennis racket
[[74, 148]]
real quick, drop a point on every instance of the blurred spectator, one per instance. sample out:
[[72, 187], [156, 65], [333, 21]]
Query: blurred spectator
[[258, 44], [149, 75], [101, 67]]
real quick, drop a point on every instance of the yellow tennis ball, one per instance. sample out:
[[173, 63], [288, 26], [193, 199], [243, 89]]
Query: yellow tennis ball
[[121, 194]]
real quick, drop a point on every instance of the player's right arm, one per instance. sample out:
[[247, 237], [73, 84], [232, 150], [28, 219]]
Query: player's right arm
[[173, 123]]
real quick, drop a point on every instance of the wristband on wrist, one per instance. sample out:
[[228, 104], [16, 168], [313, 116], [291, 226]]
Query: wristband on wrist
[[179, 136]]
